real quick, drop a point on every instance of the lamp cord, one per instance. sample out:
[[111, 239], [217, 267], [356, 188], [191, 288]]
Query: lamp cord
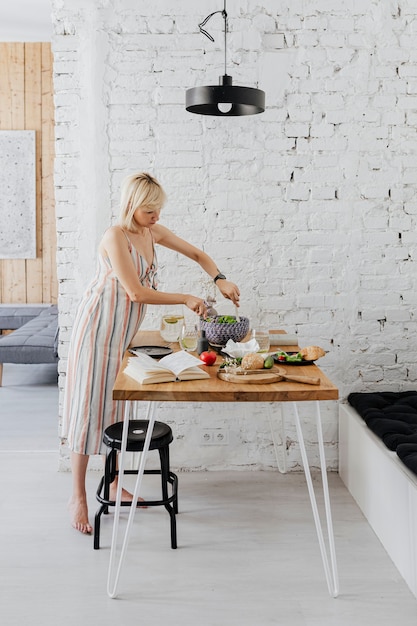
[[204, 32]]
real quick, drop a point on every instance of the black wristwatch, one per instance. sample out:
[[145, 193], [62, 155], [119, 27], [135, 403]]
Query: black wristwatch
[[219, 276]]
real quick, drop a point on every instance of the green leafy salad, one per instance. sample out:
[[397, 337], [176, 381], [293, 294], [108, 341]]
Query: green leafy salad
[[284, 357], [222, 319]]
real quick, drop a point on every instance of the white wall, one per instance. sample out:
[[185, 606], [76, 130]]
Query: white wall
[[25, 20], [310, 207]]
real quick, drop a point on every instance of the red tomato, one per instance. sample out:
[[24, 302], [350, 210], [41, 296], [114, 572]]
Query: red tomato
[[208, 358]]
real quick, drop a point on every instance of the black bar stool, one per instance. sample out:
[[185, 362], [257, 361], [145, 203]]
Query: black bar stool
[[160, 440]]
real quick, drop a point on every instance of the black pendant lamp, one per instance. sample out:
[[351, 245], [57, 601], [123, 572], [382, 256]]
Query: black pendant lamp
[[224, 98]]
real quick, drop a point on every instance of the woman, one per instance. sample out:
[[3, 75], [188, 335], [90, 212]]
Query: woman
[[109, 316]]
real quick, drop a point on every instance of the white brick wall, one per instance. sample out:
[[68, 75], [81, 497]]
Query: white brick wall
[[310, 207]]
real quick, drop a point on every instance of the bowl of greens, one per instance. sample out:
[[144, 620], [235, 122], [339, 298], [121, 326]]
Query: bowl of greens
[[220, 328]]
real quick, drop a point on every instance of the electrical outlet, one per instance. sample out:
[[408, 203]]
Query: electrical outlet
[[214, 437]]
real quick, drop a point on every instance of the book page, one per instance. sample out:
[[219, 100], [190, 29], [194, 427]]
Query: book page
[[147, 363], [146, 378], [175, 362]]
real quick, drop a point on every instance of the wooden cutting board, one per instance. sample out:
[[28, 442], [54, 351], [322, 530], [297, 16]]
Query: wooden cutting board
[[258, 377]]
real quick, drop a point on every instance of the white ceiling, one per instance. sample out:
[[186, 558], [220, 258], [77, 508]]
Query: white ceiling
[[25, 20]]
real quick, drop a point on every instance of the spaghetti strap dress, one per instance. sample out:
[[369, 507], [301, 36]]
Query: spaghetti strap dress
[[105, 324]]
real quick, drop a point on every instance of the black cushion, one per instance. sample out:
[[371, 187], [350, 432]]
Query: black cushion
[[392, 416], [408, 455]]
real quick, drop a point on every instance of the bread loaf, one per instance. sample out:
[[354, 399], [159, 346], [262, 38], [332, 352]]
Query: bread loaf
[[311, 353], [252, 361]]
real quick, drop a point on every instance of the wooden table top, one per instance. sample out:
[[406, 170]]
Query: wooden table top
[[215, 390]]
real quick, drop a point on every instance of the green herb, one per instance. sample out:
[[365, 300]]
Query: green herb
[[221, 319], [226, 319], [229, 362]]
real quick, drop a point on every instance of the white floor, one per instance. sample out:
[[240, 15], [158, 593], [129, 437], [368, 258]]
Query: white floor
[[247, 550]]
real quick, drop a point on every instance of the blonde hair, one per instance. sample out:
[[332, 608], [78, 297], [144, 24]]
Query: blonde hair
[[139, 190]]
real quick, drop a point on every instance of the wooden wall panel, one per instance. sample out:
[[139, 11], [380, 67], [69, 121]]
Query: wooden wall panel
[[12, 89], [49, 278], [26, 103], [33, 119]]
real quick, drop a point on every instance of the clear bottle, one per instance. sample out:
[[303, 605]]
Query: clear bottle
[[211, 311]]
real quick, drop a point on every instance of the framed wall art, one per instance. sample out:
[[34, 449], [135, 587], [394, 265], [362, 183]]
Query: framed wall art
[[17, 194]]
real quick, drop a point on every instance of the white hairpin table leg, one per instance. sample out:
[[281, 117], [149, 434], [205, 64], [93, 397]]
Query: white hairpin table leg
[[113, 579], [331, 575], [279, 446]]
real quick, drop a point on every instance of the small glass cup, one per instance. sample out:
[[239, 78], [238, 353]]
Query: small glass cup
[[189, 334], [262, 337], [170, 327]]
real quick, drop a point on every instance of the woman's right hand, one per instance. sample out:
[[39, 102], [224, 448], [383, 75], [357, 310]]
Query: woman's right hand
[[196, 305]]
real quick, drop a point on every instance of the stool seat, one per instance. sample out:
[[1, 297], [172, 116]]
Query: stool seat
[[161, 435], [160, 440]]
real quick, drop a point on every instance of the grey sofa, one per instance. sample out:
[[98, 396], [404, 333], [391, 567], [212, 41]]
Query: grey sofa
[[36, 341]]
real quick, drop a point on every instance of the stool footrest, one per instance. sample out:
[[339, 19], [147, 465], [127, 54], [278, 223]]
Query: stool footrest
[[172, 479]]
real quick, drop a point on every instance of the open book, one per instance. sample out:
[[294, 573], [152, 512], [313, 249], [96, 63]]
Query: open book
[[176, 366]]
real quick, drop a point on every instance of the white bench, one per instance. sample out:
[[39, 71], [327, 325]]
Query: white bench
[[384, 489]]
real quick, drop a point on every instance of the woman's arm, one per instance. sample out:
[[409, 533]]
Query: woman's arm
[[167, 238], [115, 247]]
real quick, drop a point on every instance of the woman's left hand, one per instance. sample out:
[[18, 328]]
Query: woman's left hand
[[229, 290]]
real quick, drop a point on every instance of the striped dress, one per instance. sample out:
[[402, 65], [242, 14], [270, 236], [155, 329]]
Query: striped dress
[[105, 324]]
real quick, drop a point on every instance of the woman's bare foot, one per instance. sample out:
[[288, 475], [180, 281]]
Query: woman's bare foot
[[126, 495], [79, 515]]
